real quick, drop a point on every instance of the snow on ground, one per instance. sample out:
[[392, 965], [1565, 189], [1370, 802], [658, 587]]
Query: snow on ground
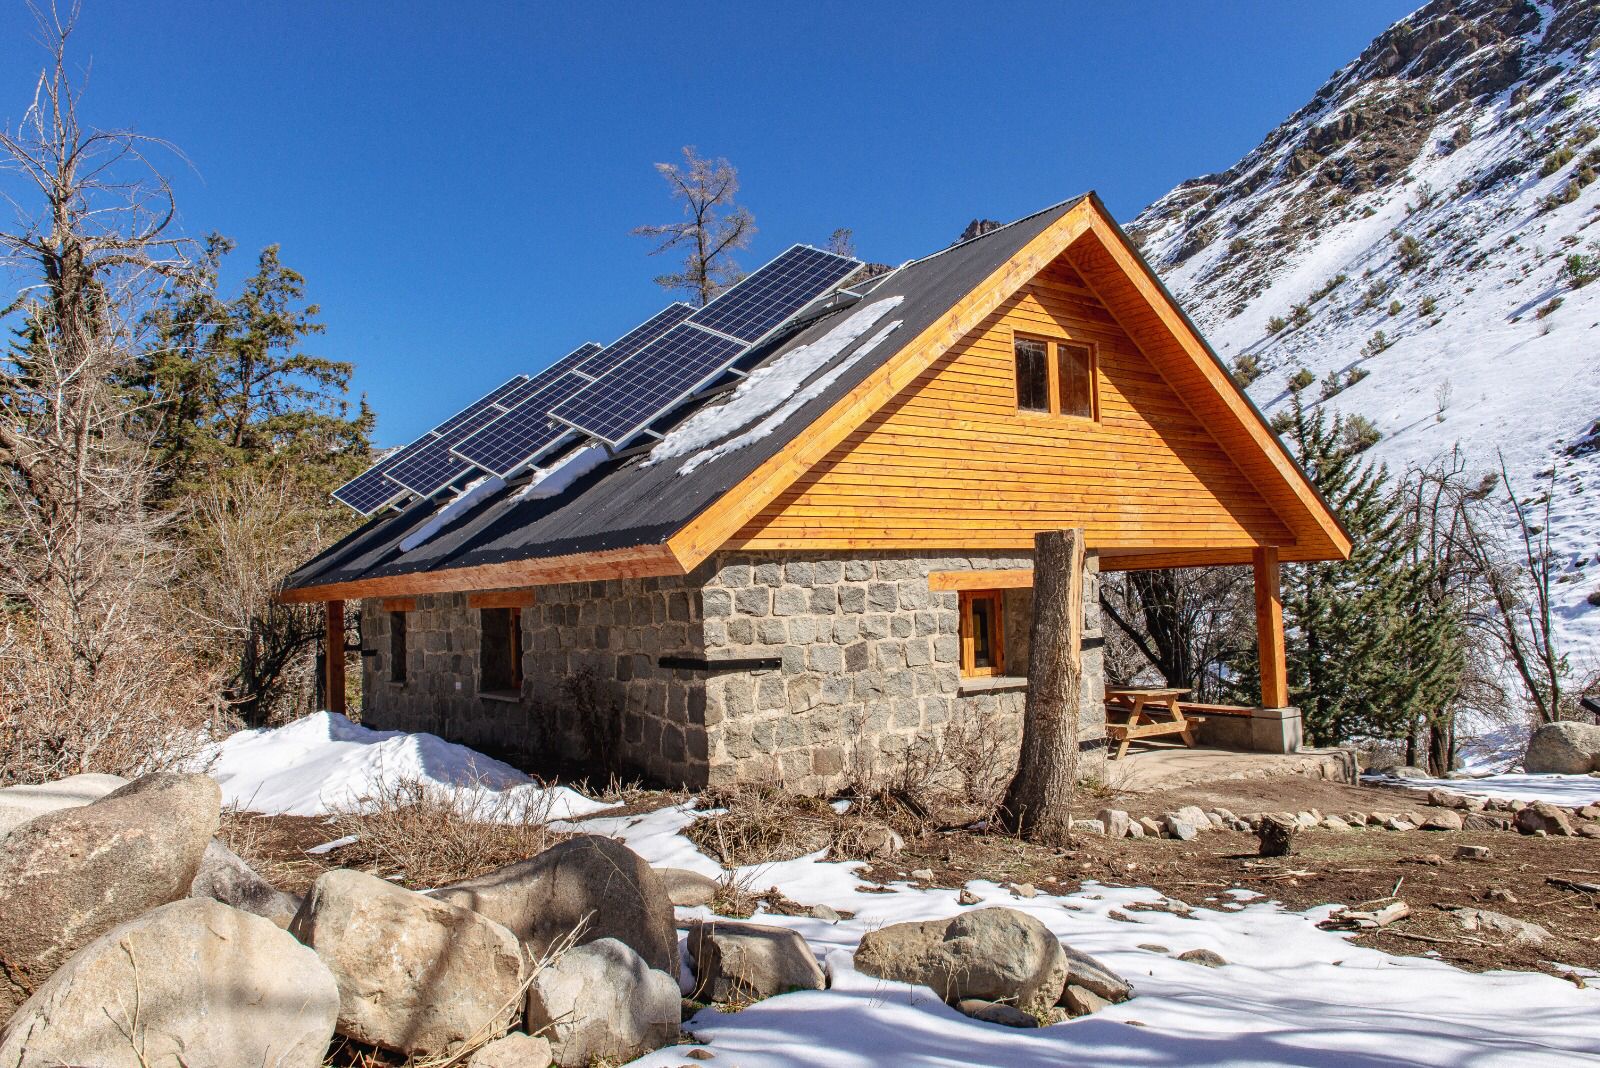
[[1291, 994], [1568, 790], [324, 762]]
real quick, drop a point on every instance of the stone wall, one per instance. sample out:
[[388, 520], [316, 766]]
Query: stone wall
[[864, 661]]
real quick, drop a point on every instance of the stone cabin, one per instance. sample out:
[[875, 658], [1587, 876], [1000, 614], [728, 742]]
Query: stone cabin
[[813, 548]]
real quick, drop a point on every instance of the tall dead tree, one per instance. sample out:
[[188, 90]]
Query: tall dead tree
[[1038, 803], [712, 230]]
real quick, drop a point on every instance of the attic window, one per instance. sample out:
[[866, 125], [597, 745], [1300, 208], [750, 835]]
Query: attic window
[[1055, 377]]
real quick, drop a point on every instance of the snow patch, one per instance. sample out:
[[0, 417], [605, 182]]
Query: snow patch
[[465, 500], [772, 394], [553, 481]]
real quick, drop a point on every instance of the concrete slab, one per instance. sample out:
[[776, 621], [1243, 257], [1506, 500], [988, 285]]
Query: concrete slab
[[1170, 767]]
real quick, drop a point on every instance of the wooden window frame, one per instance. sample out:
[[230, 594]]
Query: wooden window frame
[[514, 640], [399, 648], [1054, 344], [969, 669]]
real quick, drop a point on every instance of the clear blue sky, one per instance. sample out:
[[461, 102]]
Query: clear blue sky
[[457, 181]]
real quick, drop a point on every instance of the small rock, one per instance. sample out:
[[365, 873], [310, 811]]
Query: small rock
[[1590, 812], [225, 877], [924, 874], [687, 889], [1501, 924], [1088, 827], [1081, 1001], [1587, 830], [736, 961], [996, 1012], [1472, 852], [1088, 973], [1543, 816], [1181, 829], [701, 1054], [602, 1002], [826, 913], [1193, 815], [1442, 820], [877, 842], [1333, 823], [1024, 890], [1203, 956], [1135, 829], [1116, 822], [1442, 798], [1484, 821], [1470, 803], [1154, 947], [515, 1050], [1505, 897], [1305, 819], [1395, 823], [967, 897], [1151, 828]]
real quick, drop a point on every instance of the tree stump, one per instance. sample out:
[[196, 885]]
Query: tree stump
[[1277, 836]]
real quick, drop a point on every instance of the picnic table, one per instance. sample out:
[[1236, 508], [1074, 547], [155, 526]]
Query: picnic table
[[1137, 703]]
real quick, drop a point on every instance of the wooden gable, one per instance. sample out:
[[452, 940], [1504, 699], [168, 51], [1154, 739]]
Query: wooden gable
[[950, 461]]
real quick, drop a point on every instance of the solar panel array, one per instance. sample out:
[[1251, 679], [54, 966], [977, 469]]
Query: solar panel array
[[611, 393]]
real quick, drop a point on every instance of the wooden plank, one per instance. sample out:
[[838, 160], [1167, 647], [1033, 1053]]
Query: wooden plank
[[398, 604], [1021, 578], [1269, 629], [333, 656], [501, 599]]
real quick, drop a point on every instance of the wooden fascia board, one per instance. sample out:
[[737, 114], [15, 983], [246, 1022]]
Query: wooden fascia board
[[1009, 579], [647, 561], [713, 528], [1179, 558], [1111, 240]]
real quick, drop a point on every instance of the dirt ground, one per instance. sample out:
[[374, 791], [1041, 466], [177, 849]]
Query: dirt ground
[[1369, 867]]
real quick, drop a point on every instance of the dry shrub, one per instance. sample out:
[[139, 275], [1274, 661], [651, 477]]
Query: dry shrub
[[957, 774], [425, 835], [762, 824]]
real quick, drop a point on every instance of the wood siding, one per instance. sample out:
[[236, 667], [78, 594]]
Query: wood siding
[[951, 462]]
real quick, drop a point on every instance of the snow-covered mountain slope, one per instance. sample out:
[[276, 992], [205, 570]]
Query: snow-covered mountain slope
[[1408, 237]]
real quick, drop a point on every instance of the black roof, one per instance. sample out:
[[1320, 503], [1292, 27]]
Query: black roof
[[628, 502]]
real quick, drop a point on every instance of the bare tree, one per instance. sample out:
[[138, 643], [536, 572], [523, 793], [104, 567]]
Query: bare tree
[[712, 230], [93, 650], [1039, 801], [842, 242], [1186, 622]]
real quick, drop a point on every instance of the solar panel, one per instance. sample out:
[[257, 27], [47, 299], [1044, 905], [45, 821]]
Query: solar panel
[[370, 491], [634, 340], [517, 438], [431, 467], [629, 397], [762, 301]]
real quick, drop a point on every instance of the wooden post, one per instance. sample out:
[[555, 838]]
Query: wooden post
[[333, 656], [1038, 802], [1269, 629]]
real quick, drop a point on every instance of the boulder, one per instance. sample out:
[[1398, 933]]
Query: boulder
[[1116, 822], [225, 877], [19, 804], [1086, 972], [192, 983], [1443, 819], [69, 876], [1568, 748], [416, 976], [601, 1002], [994, 954], [687, 889], [1543, 816], [1193, 815], [515, 1050], [589, 880], [996, 1012], [748, 961]]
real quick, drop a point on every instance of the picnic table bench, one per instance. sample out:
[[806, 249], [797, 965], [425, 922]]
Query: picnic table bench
[[1137, 703]]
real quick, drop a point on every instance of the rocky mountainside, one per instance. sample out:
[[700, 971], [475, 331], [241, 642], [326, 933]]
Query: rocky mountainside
[[1416, 246]]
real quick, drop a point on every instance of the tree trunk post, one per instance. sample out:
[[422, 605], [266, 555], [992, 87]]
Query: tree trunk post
[[1269, 629], [333, 657], [1038, 802]]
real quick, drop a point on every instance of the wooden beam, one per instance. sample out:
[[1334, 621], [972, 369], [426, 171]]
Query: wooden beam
[[1021, 578], [1269, 629], [333, 657], [645, 561], [501, 599], [399, 604]]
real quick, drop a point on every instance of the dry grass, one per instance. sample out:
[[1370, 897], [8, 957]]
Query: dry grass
[[424, 835], [761, 824]]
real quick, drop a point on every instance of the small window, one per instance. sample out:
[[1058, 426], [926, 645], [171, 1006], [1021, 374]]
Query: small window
[[500, 656], [1075, 373], [982, 633], [1033, 375], [397, 647]]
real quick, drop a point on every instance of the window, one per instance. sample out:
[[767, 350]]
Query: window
[[500, 656], [982, 633], [1064, 385], [1033, 375], [1075, 373], [397, 647]]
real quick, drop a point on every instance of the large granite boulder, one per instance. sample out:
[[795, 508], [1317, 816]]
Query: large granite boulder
[[589, 880], [69, 876], [992, 954], [19, 804], [225, 877], [748, 961], [416, 976], [188, 984], [601, 1002], [1563, 749]]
